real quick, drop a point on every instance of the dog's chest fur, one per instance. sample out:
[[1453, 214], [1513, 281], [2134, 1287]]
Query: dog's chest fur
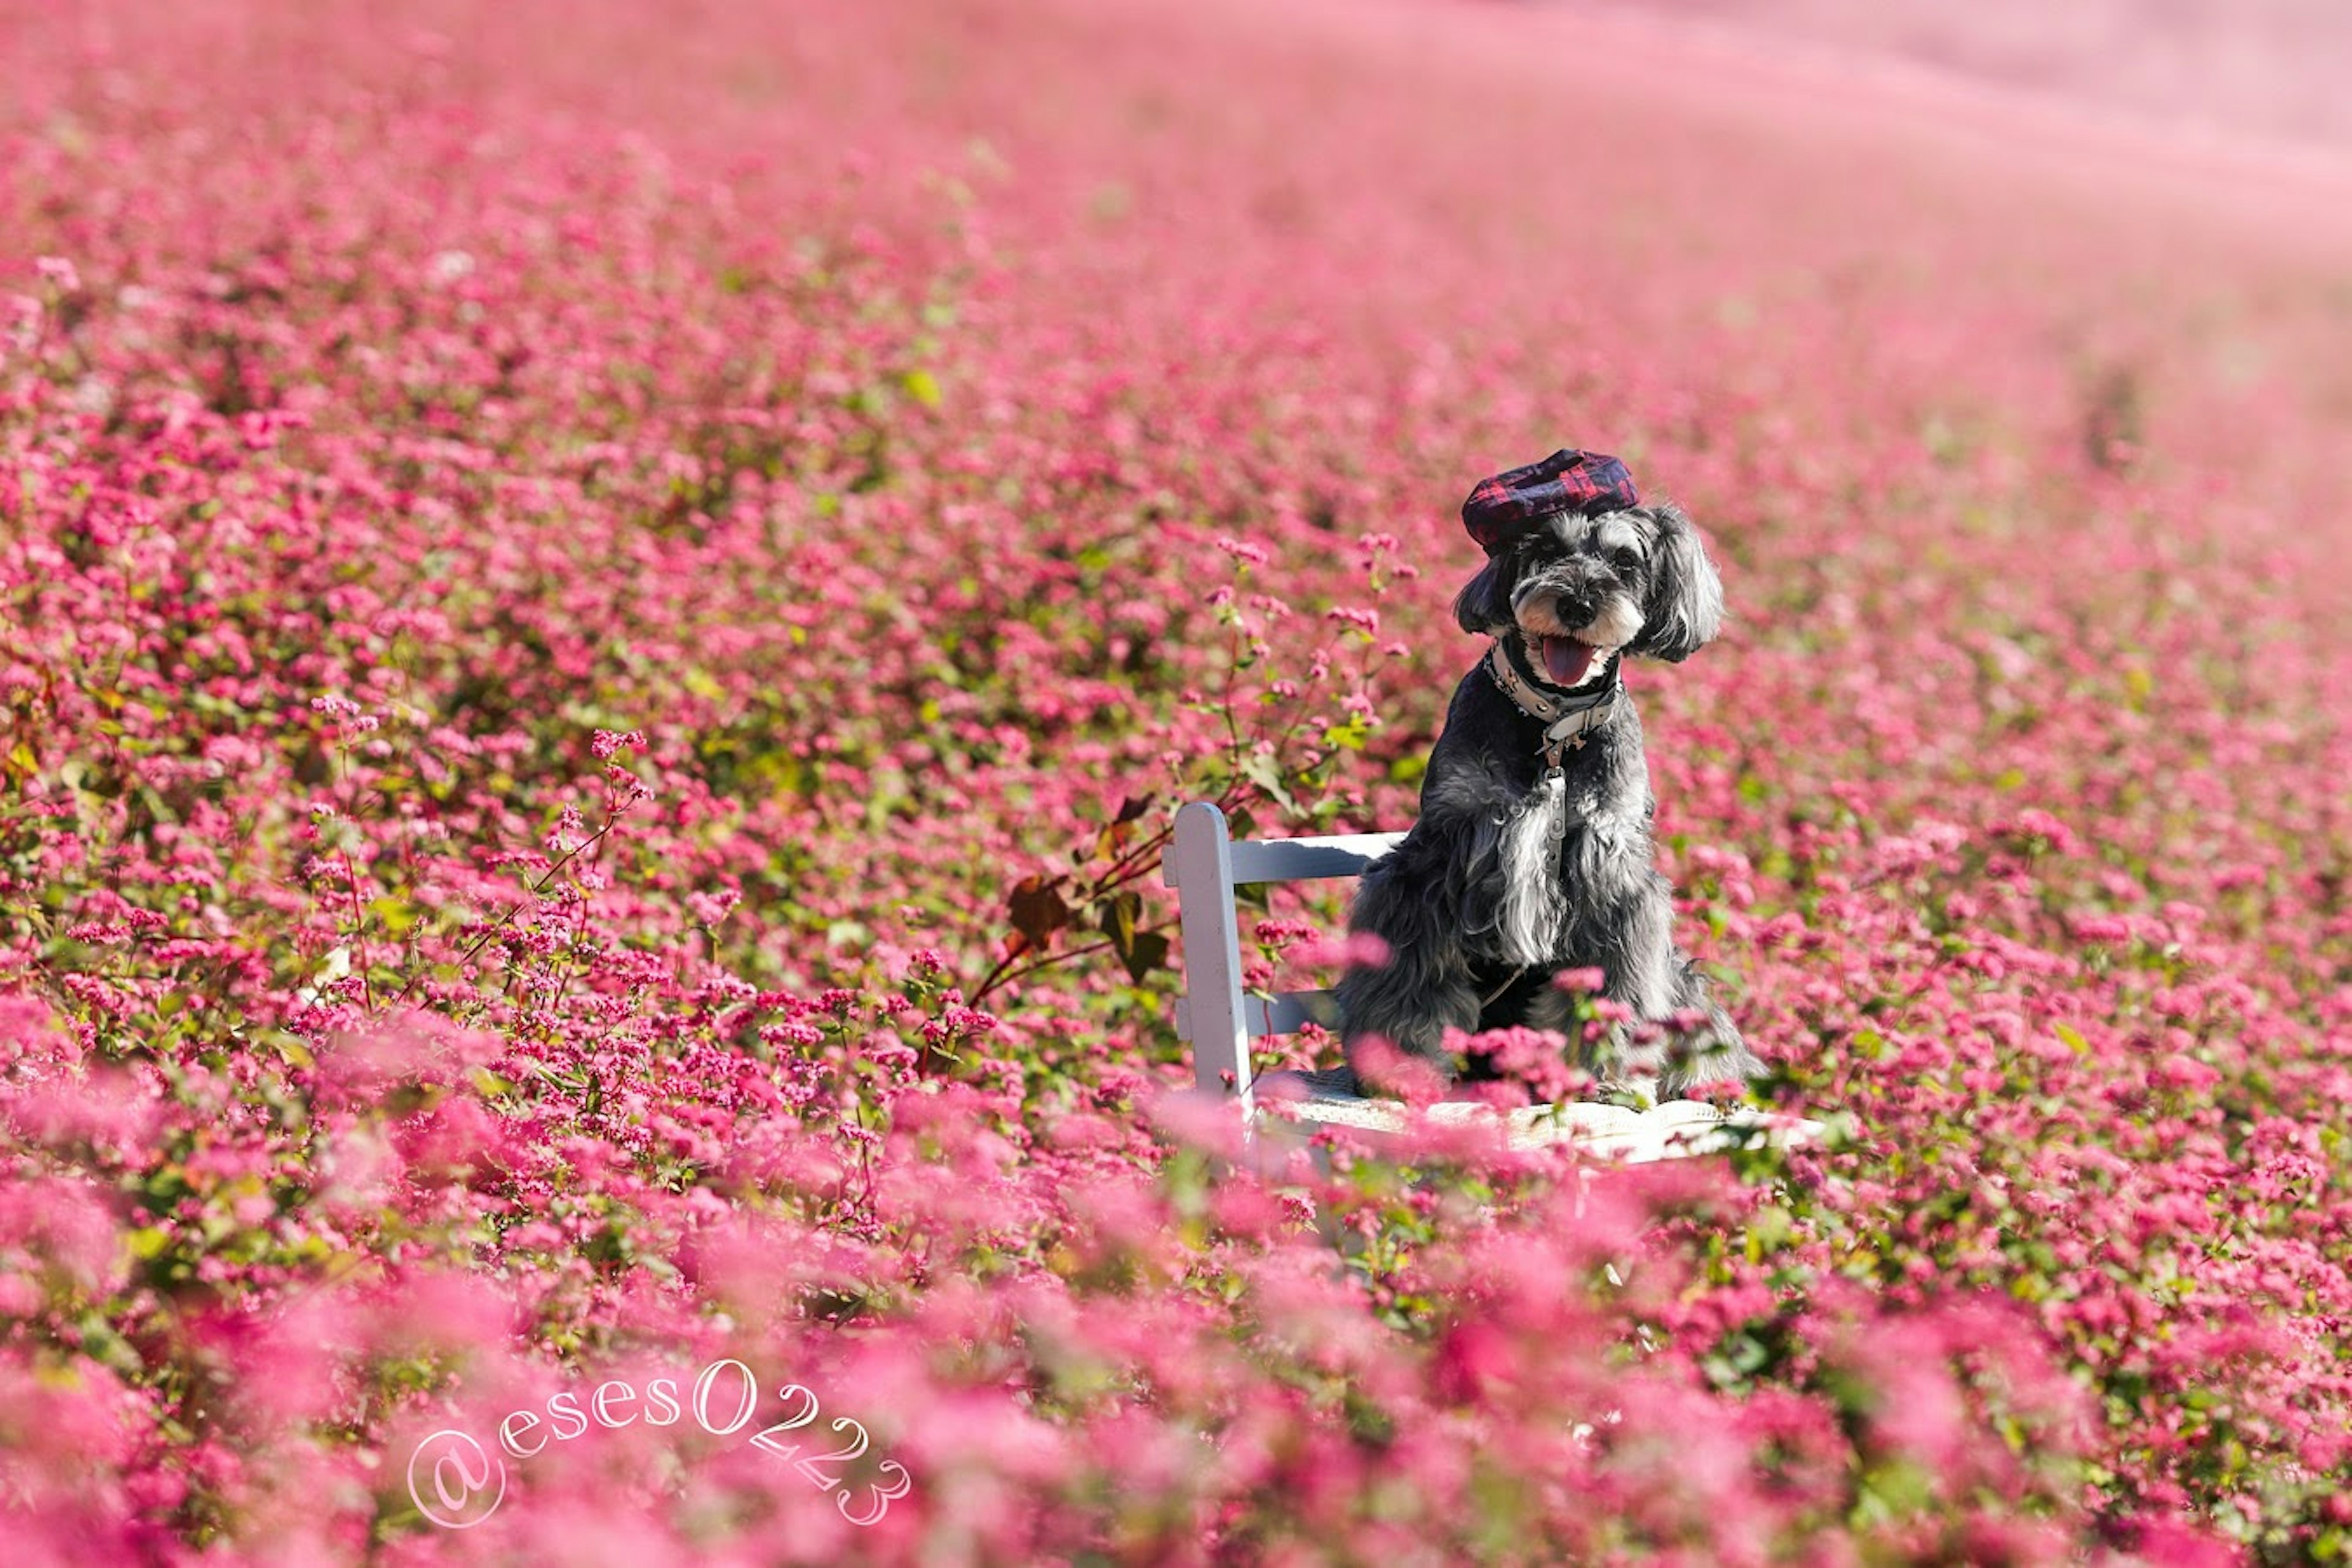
[[1561, 835], [1584, 828]]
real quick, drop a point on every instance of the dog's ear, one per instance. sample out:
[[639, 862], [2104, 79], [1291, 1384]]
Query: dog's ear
[[1484, 605], [1685, 610]]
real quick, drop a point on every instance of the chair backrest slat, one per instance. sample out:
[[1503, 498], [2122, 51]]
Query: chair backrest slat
[[1307, 859], [1280, 1014]]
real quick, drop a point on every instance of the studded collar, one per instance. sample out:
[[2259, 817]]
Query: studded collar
[[1567, 718]]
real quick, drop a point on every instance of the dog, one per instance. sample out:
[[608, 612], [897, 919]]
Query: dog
[[1532, 854]]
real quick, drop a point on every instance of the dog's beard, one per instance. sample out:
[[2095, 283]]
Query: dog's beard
[[1569, 656]]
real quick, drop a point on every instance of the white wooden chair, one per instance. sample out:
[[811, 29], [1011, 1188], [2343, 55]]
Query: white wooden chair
[[1205, 866], [1219, 1018]]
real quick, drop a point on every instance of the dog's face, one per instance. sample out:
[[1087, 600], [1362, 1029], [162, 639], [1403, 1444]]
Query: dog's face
[[1579, 589]]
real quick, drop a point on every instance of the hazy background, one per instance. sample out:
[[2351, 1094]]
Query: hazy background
[[2274, 69]]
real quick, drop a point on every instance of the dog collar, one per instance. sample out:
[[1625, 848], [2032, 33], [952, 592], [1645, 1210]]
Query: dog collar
[[1566, 720]]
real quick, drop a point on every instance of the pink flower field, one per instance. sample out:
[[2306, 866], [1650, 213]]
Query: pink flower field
[[603, 609]]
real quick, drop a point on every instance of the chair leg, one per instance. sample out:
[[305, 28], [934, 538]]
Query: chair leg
[[1201, 866]]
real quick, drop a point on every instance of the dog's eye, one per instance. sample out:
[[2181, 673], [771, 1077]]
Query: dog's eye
[[1625, 558]]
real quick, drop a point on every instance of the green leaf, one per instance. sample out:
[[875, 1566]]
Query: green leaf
[[1350, 734], [292, 1049], [1264, 772], [396, 914], [1140, 951], [1147, 952], [1117, 921]]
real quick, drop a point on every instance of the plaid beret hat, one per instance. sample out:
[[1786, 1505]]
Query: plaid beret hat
[[1589, 483]]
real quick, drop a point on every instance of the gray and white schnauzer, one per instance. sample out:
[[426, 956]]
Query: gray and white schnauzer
[[1532, 854]]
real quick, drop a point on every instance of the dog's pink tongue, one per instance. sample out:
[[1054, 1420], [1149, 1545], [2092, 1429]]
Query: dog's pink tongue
[[1567, 661]]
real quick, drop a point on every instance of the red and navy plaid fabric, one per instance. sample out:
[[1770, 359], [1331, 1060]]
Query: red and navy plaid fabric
[[1588, 482]]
